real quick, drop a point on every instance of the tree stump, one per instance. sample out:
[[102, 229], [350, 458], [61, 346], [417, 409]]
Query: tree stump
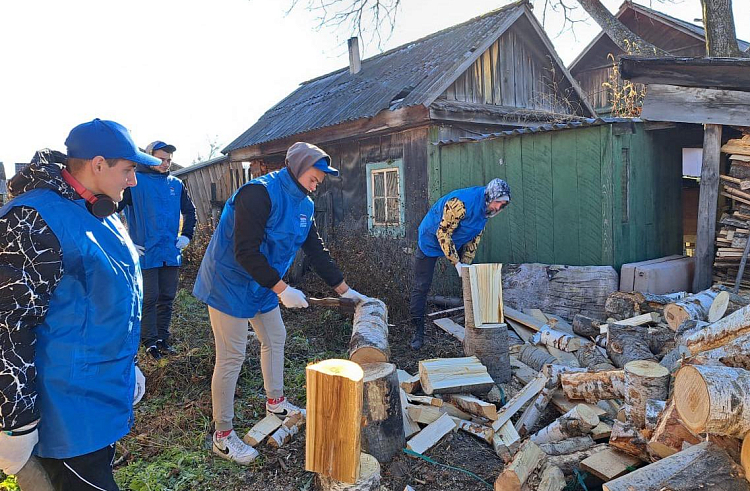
[[644, 380], [383, 425], [693, 307], [578, 421], [369, 477], [369, 341]]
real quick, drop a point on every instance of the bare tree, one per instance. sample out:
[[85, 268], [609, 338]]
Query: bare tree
[[214, 147], [721, 36]]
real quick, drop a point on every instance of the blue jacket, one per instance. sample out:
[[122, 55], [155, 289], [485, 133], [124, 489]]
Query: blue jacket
[[153, 217], [471, 226], [225, 285], [86, 345]]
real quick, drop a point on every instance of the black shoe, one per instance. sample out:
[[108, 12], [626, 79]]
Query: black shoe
[[165, 348], [417, 341], [153, 352]]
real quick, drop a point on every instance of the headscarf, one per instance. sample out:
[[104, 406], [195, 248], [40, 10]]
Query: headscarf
[[496, 190]]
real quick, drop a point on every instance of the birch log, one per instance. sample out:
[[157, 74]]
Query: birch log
[[383, 424], [533, 412], [644, 380], [692, 307], [290, 427], [535, 357], [585, 326], [627, 438], [702, 466], [557, 339], [735, 353], [720, 332], [576, 422], [654, 408], [714, 399], [369, 477], [591, 357], [575, 444], [670, 434], [552, 479], [622, 305], [594, 386], [568, 462], [369, 341], [626, 344]]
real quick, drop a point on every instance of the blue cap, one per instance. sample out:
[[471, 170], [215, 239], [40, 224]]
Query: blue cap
[[324, 165], [160, 145], [106, 139]]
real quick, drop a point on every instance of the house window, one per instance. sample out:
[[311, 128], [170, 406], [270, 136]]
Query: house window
[[385, 197]]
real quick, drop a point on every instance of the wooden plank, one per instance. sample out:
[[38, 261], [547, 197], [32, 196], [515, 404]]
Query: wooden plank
[[696, 105], [454, 375], [533, 189], [564, 199], [521, 318], [447, 325], [432, 434], [607, 190], [517, 210], [542, 160], [609, 464], [522, 371], [516, 402], [707, 205], [589, 195], [523, 332], [261, 430]]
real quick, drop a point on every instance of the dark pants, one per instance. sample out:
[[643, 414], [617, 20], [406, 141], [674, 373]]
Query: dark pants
[[159, 289], [89, 472], [424, 267]]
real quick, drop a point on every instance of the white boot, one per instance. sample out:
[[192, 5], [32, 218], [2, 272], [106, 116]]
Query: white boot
[[232, 448]]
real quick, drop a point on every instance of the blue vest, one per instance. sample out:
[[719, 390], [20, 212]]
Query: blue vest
[[471, 226], [225, 285], [154, 218], [85, 347]]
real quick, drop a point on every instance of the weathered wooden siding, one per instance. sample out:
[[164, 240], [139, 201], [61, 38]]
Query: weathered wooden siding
[[567, 194], [224, 177]]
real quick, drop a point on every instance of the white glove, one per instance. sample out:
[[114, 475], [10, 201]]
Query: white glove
[[354, 295], [293, 298], [182, 242], [140, 249], [16, 450], [459, 268], [140, 386]]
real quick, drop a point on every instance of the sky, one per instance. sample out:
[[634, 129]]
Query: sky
[[195, 72]]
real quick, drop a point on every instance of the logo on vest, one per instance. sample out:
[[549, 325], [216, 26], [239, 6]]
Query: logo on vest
[[303, 221], [171, 191]]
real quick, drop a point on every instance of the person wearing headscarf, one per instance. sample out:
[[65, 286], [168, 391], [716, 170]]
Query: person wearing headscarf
[[452, 228]]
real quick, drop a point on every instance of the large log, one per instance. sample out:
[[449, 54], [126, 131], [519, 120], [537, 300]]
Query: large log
[[454, 376], [591, 357], [369, 341], [556, 339], [585, 326], [714, 399], [626, 344], [702, 466], [334, 418], [720, 332], [570, 461], [575, 444], [735, 353], [627, 438], [594, 386], [726, 302], [578, 421], [644, 380], [621, 305], [516, 473], [535, 357], [383, 423], [694, 307], [670, 434], [369, 477]]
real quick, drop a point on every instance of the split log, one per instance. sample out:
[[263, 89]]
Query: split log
[[609, 464], [428, 400], [383, 424], [570, 461], [261, 430], [732, 445], [369, 341], [410, 383], [506, 442], [554, 372], [474, 406], [714, 399], [654, 408], [564, 405], [516, 473], [552, 479], [575, 444], [602, 431], [535, 357], [556, 339], [628, 438], [369, 477], [638, 320], [670, 433], [431, 434], [745, 456], [526, 394], [622, 305], [576, 422], [591, 357], [454, 376], [480, 431], [626, 344], [410, 426], [735, 353], [594, 386], [289, 427], [333, 429], [704, 466], [585, 326], [644, 380], [692, 307], [521, 371], [720, 332], [533, 412]]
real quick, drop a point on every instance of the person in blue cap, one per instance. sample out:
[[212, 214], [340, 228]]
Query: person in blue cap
[[261, 228], [451, 228], [152, 211], [70, 306]]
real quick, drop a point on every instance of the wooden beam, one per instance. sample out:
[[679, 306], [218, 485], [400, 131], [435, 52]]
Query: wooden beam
[[452, 328], [432, 434], [688, 72], [696, 105], [609, 464], [707, 204]]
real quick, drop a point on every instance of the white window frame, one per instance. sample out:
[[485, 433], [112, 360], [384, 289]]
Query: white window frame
[[385, 228]]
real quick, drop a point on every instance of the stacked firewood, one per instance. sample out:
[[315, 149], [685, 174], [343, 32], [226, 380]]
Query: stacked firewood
[[734, 229]]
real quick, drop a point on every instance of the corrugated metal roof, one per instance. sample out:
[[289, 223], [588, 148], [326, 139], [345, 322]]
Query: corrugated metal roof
[[540, 129], [399, 78], [200, 165]]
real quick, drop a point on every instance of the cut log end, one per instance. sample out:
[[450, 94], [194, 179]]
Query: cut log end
[[692, 398], [745, 456], [718, 306], [648, 369]]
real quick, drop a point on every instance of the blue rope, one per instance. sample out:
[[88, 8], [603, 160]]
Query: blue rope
[[427, 459]]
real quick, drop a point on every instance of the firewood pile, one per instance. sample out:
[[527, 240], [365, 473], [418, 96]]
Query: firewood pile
[[732, 237]]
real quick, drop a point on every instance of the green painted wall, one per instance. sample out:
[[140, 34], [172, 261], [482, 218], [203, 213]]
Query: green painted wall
[[599, 195]]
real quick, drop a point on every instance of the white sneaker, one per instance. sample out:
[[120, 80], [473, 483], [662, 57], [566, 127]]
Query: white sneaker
[[232, 448], [283, 408]]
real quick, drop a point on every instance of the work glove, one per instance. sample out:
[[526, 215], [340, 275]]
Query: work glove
[[293, 298], [140, 386], [140, 249], [460, 268], [182, 242], [16, 447], [354, 295]]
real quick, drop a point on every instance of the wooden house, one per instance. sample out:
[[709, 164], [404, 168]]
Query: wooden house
[[378, 117], [593, 67]]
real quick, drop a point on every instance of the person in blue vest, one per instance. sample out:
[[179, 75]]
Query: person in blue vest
[[452, 228], [70, 307], [261, 228], [152, 212]]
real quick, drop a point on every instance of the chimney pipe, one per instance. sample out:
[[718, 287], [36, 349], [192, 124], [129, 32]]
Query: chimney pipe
[[355, 64]]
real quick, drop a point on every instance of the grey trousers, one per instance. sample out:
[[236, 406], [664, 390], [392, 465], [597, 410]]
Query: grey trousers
[[231, 334]]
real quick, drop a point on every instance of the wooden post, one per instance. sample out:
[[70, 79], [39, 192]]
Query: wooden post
[[707, 205], [643, 380], [369, 342], [383, 427], [334, 419]]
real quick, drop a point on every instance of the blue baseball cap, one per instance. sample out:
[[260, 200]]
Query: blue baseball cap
[[324, 164], [107, 139], [160, 145]]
